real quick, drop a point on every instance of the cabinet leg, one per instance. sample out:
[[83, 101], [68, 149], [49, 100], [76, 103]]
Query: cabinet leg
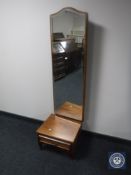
[[40, 145], [72, 153]]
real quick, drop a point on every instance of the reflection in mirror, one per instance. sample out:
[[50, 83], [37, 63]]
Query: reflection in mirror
[[68, 38]]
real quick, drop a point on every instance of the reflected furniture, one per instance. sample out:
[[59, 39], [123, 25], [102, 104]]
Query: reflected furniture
[[70, 111], [69, 62], [66, 57]]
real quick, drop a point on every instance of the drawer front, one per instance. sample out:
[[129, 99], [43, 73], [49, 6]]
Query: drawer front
[[59, 59], [59, 72], [59, 69], [58, 76], [59, 64], [54, 142]]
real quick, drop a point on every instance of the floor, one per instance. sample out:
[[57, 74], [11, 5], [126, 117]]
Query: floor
[[69, 88], [20, 153]]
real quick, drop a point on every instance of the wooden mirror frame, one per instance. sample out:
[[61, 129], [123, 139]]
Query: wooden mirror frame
[[58, 131], [84, 57]]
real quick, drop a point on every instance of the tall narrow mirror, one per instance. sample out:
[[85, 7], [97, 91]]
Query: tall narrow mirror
[[69, 51]]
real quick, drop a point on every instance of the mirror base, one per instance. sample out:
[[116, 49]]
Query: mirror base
[[59, 132], [70, 111]]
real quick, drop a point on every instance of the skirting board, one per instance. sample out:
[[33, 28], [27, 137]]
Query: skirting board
[[89, 133], [20, 117]]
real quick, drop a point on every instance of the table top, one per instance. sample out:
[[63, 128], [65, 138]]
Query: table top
[[59, 128], [70, 110]]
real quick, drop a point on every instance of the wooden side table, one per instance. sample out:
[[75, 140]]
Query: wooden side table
[[59, 132]]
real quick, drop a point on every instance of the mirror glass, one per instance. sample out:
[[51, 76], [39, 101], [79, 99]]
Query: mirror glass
[[68, 39]]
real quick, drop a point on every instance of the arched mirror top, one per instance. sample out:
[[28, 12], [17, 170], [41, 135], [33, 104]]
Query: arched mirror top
[[71, 12], [76, 18], [69, 52]]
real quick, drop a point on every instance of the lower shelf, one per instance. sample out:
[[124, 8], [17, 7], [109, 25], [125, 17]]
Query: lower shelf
[[54, 142]]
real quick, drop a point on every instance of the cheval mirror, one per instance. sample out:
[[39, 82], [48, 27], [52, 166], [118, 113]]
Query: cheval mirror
[[69, 55]]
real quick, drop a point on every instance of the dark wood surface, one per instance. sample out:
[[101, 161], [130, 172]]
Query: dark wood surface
[[70, 111], [67, 61], [59, 129]]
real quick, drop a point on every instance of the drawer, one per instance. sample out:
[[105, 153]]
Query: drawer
[[59, 69], [59, 59], [58, 76], [54, 142], [61, 63]]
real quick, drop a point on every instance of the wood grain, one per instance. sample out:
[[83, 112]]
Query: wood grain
[[59, 128], [70, 111], [54, 142]]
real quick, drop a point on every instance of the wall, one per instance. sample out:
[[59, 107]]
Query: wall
[[25, 61], [79, 23], [62, 23]]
